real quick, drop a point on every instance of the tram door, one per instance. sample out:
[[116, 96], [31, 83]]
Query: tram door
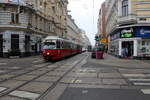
[[15, 44], [1, 45]]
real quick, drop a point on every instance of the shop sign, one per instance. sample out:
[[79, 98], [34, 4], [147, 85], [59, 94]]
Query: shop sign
[[143, 32], [104, 40], [126, 33]]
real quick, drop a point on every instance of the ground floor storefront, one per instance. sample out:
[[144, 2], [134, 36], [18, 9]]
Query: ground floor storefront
[[19, 43], [131, 43]]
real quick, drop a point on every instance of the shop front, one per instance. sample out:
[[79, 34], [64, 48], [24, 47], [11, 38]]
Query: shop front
[[144, 44], [19, 43], [131, 42]]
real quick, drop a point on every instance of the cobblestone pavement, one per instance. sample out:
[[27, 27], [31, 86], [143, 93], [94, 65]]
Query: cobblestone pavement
[[32, 78], [75, 78], [110, 79]]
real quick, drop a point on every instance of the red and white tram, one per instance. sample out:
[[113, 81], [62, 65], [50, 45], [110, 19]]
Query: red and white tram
[[55, 48]]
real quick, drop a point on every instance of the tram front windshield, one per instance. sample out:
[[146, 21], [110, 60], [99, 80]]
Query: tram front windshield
[[49, 45]]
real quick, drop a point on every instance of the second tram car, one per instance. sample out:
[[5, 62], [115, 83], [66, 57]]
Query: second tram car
[[55, 48]]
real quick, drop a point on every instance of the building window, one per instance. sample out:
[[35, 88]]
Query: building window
[[125, 8], [14, 18]]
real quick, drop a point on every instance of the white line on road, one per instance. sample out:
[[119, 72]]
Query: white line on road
[[140, 79], [133, 75], [141, 84], [3, 63], [146, 91], [24, 94], [2, 89]]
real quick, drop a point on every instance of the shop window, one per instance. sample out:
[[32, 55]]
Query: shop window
[[147, 43], [33, 47], [143, 42], [142, 19]]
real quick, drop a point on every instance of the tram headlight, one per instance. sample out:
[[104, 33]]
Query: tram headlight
[[48, 53]]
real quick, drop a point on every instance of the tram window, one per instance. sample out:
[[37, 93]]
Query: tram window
[[58, 44], [49, 45], [62, 44]]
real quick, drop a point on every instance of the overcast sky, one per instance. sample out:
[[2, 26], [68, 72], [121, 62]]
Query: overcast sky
[[86, 15]]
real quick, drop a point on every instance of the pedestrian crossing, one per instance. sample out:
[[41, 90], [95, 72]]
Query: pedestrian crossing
[[139, 79]]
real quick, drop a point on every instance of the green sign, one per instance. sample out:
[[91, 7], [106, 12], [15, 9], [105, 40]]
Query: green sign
[[126, 35]]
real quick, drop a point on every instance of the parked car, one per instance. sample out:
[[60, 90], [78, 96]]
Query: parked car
[[93, 53]]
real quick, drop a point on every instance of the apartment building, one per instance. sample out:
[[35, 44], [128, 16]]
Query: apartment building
[[24, 23], [127, 23]]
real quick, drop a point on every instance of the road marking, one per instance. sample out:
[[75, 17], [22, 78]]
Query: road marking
[[3, 63], [148, 75], [1, 71], [2, 89], [133, 75], [146, 91], [78, 81], [147, 84], [146, 80], [85, 91], [24, 94], [40, 65]]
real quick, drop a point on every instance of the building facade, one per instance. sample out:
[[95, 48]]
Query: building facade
[[102, 25], [23, 25], [72, 29], [127, 24]]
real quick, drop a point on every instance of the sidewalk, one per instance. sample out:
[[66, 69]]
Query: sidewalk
[[126, 63]]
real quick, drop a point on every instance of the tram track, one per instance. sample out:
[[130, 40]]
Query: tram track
[[58, 65], [56, 82]]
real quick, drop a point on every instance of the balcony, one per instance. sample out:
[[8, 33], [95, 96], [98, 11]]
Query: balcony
[[130, 19]]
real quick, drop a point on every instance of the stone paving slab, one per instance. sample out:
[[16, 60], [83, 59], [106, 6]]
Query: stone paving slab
[[11, 98], [114, 81], [11, 83], [68, 80], [110, 75], [102, 94], [48, 78], [88, 80], [94, 86], [36, 87], [94, 75], [37, 72], [25, 77], [56, 92], [6, 76], [54, 73]]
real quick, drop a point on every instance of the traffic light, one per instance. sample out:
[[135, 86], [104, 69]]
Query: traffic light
[[97, 38]]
